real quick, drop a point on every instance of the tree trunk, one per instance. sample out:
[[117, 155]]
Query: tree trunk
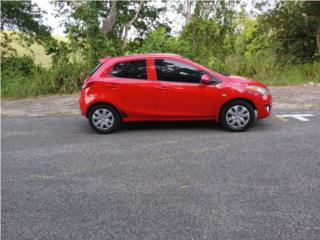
[[74, 3], [189, 11], [318, 38], [129, 24], [110, 20]]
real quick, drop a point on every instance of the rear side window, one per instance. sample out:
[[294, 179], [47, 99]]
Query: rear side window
[[131, 69], [174, 71]]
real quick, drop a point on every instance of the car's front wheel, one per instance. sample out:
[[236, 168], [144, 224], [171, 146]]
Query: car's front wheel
[[237, 116], [104, 118]]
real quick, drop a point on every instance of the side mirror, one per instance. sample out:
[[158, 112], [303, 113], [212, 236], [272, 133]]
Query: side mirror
[[206, 79]]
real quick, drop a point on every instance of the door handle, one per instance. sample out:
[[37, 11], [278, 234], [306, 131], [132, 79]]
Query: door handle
[[113, 86], [163, 88]]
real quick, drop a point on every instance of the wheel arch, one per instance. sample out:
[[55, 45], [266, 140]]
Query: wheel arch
[[232, 100], [121, 113]]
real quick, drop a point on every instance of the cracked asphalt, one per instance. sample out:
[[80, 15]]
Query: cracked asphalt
[[60, 180]]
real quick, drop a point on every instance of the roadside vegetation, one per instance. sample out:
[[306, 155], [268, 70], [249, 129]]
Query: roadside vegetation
[[278, 44], [36, 50]]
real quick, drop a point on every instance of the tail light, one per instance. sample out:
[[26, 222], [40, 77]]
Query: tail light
[[87, 84]]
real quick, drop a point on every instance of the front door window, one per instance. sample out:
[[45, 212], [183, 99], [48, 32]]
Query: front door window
[[173, 71]]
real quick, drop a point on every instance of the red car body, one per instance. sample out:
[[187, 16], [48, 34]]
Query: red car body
[[154, 100]]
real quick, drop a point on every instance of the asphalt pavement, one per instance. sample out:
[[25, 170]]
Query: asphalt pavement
[[60, 180]]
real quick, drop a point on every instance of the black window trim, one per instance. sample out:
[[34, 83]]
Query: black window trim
[[95, 69], [129, 60], [200, 70], [171, 59]]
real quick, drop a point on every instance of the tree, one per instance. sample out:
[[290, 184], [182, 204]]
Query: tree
[[128, 25], [294, 29], [188, 12], [159, 40], [100, 28], [211, 30], [110, 20], [251, 36], [25, 19]]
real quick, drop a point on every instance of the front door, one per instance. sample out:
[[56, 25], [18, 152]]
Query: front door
[[179, 91]]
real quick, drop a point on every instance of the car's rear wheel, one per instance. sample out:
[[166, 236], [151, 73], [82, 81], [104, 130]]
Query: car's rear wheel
[[104, 118], [237, 116]]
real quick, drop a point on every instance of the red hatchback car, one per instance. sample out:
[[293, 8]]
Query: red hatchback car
[[168, 87]]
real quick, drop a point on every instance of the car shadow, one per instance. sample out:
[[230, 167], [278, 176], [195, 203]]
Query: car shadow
[[171, 125], [261, 125]]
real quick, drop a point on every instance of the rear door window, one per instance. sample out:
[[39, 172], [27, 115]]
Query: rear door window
[[132, 69]]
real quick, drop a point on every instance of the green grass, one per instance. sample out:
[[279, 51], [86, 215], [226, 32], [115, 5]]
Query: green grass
[[36, 51], [21, 83], [20, 86], [294, 75]]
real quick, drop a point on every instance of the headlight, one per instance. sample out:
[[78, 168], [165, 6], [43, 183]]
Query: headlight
[[261, 90]]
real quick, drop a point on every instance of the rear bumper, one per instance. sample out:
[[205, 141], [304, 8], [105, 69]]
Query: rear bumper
[[82, 103]]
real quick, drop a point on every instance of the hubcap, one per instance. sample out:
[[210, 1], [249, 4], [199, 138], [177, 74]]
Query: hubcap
[[102, 119], [237, 116]]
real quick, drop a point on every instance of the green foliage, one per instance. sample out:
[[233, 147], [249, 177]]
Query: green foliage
[[294, 27], [204, 37], [210, 33], [67, 78], [85, 36], [84, 28], [294, 74], [23, 64], [23, 18], [160, 41], [22, 78]]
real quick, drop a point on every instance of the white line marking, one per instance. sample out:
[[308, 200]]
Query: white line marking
[[300, 117]]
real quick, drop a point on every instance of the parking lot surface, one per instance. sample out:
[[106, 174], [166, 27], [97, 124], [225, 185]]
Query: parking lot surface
[[60, 180]]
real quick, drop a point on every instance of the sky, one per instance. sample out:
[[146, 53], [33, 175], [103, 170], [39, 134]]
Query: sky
[[51, 20]]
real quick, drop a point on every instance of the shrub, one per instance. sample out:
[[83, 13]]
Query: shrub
[[23, 64], [22, 78]]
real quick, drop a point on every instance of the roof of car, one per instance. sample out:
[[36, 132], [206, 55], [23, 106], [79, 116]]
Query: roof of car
[[154, 55], [144, 55]]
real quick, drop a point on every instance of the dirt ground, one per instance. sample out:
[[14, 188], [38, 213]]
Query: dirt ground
[[287, 97]]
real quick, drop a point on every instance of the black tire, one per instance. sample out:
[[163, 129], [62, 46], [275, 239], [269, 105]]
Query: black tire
[[228, 106], [110, 128]]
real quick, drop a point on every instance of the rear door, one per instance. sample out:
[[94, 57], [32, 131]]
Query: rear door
[[179, 91], [134, 88]]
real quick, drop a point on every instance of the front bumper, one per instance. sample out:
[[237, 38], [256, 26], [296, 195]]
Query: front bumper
[[264, 106]]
